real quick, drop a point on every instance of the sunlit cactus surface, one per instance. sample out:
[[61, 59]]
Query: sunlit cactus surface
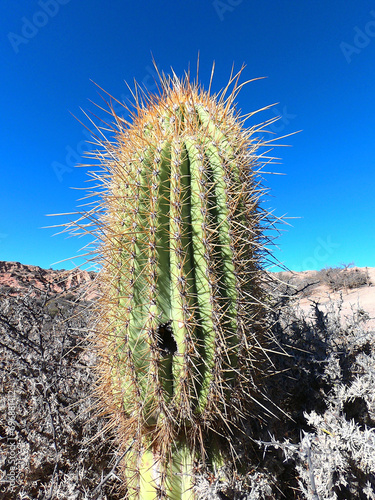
[[181, 314]]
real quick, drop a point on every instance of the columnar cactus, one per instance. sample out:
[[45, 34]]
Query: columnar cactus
[[181, 306]]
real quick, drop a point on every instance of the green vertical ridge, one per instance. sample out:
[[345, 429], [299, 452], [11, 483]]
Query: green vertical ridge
[[163, 295], [180, 263], [132, 286], [180, 484], [162, 235], [204, 292], [138, 336], [225, 258]]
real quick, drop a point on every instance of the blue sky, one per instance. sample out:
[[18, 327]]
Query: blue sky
[[319, 62]]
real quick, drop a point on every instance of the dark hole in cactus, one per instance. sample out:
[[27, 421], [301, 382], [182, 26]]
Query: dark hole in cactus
[[166, 341]]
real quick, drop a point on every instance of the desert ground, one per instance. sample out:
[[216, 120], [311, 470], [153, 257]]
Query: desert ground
[[319, 443], [348, 298]]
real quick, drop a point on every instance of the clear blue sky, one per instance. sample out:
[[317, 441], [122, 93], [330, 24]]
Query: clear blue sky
[[319, 60]]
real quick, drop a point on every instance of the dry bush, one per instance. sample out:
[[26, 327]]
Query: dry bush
[[327, 386], [46, 419], [318, 445], [285, 285], [339, 278]]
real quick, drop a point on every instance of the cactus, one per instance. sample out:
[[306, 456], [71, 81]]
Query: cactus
[[181, 229]]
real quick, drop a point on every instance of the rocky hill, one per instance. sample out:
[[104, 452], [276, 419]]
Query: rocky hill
[[18, 279], [55, 446]]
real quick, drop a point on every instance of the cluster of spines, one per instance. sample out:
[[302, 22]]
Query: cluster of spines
[[180, 245]]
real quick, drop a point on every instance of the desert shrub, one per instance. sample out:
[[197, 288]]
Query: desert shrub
[[319, 443], [336, 459], [287, 284], [10, 290], [338, 278], [327, 386], [323, 446], [69, 296], [52, 308], [46, 402]]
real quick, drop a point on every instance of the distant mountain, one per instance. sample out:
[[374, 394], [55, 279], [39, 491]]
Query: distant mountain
[[16, 278]]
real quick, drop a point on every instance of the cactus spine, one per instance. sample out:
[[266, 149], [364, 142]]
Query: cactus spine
[[181, 306]]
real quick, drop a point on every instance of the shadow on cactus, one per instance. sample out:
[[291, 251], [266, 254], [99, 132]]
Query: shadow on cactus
[[181, 327]]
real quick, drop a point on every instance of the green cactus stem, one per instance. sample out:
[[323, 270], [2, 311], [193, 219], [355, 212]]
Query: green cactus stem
[[181, 314]]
